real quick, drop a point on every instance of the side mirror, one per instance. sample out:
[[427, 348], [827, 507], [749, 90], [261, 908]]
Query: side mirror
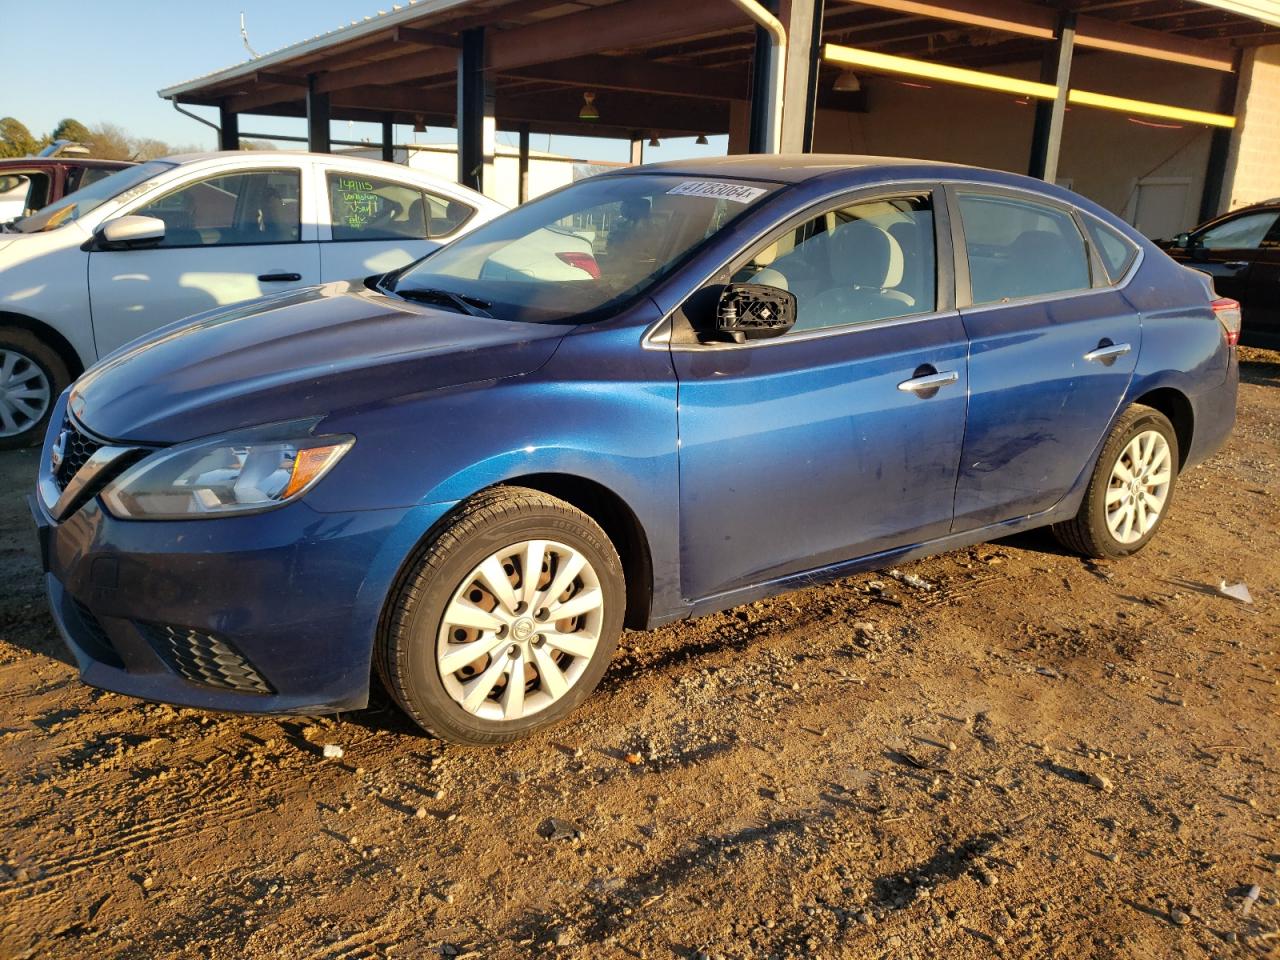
[[130, 233], [754, 311]]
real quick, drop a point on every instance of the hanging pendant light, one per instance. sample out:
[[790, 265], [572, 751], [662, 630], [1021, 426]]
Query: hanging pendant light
[[418, 125], [702, 140], [589, 110], [655, 142], [847, 82]]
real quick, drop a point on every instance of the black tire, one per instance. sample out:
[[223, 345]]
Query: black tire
[[405, 652], [37, 352], [1087, 532]]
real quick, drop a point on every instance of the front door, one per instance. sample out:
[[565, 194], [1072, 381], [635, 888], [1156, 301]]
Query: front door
[[1050, 359], [830, 442], [228, 238]]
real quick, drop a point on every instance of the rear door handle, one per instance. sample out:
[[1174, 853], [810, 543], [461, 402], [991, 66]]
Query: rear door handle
[[280, 277], [1236, 264], [928, 382], [1107, 352]]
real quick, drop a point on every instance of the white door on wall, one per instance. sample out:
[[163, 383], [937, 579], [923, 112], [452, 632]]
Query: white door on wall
[[1160, 206]]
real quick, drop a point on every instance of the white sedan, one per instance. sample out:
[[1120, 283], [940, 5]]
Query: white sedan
[[175, 237]]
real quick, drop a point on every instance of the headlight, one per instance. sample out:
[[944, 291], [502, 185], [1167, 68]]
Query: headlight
[[236, 473]]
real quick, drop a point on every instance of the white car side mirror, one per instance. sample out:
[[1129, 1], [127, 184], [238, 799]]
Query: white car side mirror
[[129, 232]]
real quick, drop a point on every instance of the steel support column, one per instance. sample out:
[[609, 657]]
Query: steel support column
[[228, 129], [318, 116], [476, 128], [1215, 172], [524, 163], [388, 141], [762, 68], [1046, 140], [803, 19]]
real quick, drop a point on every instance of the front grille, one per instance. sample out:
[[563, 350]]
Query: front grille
[[205, 659], [77, 448]]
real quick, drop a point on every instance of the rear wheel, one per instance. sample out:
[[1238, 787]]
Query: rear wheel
[[31, 377], [1130, 490], [507, 620]]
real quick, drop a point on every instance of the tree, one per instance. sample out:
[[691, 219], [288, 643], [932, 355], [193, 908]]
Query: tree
[[110, 142], [15, 139], [73, 130]]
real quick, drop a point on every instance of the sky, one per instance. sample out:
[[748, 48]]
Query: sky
[[106, 59]]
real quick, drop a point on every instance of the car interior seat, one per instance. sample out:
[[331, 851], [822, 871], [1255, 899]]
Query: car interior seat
[[1041, 262]]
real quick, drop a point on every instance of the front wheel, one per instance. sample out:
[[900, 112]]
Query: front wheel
[[507, 620], [31, 377], [1130, 490]]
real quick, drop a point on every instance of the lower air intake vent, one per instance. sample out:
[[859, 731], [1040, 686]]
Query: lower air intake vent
[[202, 658]]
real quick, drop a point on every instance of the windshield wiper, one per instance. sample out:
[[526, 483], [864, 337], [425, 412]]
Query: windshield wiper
[[469, 305]]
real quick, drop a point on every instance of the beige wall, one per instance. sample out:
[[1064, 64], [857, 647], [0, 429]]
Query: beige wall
[[1105, 155], [1253, 166]]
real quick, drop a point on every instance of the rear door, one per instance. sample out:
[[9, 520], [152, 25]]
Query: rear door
[[229, 237], [374, 224], [1261, 317], [1053, 344], [842, 437]]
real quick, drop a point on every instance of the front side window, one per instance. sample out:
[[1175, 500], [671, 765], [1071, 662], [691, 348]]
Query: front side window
[[370, 208], [1019, 248], [868, 261], [575, 253], [260, 206], [119, 186], [1245, 232]]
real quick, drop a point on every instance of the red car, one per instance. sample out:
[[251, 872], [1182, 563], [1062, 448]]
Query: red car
[[29, 183]]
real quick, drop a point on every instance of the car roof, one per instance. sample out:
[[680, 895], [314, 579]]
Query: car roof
[[787, 168], [27, 162]]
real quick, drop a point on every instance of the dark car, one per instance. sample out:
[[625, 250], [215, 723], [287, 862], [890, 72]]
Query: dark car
[[778, 371], [1241, 251], [29, 183]]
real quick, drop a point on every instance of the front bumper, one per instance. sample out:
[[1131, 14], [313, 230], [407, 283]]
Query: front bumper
[[268, 613]]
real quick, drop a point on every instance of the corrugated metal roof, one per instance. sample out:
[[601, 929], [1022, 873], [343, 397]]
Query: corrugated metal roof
[[1268, 11], [398, 15]]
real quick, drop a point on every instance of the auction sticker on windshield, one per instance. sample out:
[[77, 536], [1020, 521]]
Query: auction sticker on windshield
[[737, 192]]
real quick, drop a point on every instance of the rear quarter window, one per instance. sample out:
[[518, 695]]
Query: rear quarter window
[[1116, 250]]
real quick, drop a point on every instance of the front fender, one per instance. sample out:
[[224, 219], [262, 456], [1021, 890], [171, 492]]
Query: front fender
[[602, 409]]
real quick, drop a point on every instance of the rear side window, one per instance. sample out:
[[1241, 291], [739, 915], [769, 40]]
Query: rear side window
[[1019, 248], [1116, 250], [369, 208]]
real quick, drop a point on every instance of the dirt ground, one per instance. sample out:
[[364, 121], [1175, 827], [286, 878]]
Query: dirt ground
[[1028, 756]]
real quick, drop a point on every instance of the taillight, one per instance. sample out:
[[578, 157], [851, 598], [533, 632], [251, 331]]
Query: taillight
[[583, 261], [1228, 313]]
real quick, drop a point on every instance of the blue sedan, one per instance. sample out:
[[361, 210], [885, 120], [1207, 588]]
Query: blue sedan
[[654, 394]]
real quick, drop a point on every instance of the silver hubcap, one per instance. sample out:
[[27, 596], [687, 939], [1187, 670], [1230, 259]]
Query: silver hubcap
[[24, 393], [1139, 486], [520, 630]]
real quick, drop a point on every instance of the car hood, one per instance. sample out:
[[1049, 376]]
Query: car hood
[[306, 353]]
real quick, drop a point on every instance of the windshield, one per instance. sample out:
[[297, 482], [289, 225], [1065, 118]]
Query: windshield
[[76, 205], [580, 251]]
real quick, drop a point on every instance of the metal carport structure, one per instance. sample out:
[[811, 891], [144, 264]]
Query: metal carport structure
[[670, 68]]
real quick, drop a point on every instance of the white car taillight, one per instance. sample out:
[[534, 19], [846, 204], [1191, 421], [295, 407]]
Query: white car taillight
[[1228, 313]]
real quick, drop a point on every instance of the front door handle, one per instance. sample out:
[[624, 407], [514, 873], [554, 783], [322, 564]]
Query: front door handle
[[280, 277], [1236, 264], [929, 382], [1107, 352]]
